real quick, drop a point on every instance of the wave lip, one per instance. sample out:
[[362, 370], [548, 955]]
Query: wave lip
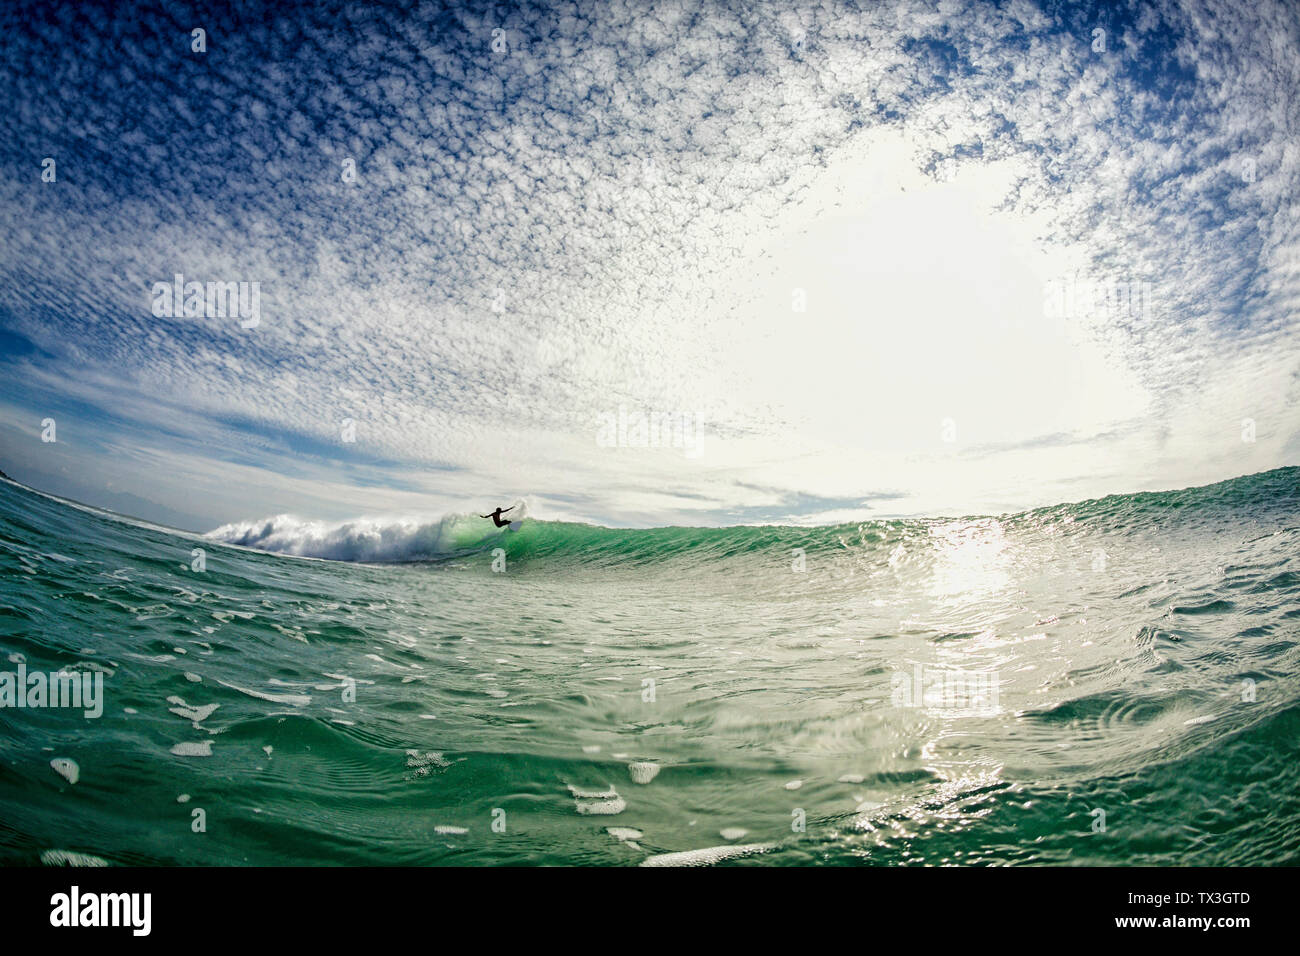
[[363, 539]]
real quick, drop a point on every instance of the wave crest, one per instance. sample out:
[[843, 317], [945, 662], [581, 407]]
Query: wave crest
[[365, 539]]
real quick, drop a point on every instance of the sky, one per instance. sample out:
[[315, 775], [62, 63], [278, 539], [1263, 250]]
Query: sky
[[646, 263]]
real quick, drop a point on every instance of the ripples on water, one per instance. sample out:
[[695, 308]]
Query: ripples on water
[[617, 696]]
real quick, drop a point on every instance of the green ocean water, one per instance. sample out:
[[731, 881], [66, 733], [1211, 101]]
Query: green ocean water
[[739, 696]]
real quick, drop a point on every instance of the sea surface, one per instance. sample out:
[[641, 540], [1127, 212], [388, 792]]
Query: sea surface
[[1113, 682]]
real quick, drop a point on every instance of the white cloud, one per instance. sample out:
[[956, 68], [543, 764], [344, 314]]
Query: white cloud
[[617, 210]]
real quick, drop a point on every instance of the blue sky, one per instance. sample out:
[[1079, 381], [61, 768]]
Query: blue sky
[[823, 244]]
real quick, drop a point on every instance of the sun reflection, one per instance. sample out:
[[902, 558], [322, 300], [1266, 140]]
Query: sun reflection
[[970, 560]]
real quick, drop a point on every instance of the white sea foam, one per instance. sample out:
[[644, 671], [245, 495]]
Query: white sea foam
[[365, 539], [580, 794], [189, 711], [423, 764], [70, 858], [597, 802], [643, 772], [198, 748], [707, 856], [606, 808], [296, 700]]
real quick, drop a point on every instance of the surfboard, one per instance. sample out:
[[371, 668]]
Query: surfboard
[[516, 525]]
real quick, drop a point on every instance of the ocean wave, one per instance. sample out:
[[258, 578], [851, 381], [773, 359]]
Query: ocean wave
[[902, 545]]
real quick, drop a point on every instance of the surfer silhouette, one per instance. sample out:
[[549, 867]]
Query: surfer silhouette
[[496, 516]]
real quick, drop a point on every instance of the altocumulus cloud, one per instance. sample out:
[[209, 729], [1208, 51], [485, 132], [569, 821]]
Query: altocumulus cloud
[[479, 231]]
